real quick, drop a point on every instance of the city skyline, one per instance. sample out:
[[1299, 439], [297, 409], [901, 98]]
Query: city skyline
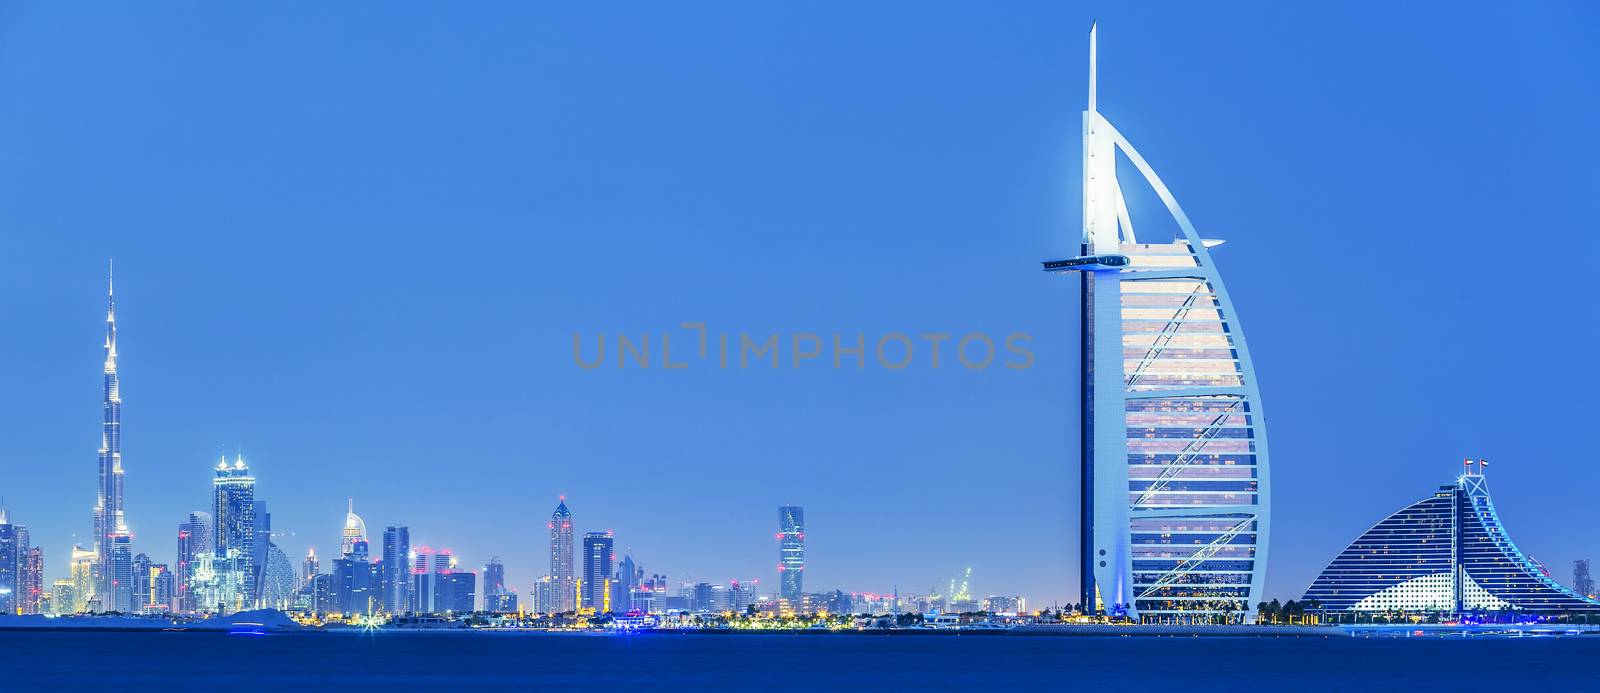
[[407, 341]]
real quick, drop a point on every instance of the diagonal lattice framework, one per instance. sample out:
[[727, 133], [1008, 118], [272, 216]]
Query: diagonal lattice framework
[[1189, 454], [1189, 564]]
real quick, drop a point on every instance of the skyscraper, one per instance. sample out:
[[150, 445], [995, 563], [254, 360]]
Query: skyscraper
[[355, 586], [33, 595], [355, 530], [629, 575], [13, 562], [260, 545], [310, 568], [1174, 453], [234, 507], [141, 583], [791, 552], [194, 538], [396, 569], [110, 525], [561, 566], [598, 554], [496, 598]]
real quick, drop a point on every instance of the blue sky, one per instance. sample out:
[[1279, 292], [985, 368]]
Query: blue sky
[[355, 242]]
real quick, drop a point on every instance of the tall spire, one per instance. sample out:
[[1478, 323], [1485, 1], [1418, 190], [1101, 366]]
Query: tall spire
[[1093, 86], [111, 318], [113, 584]]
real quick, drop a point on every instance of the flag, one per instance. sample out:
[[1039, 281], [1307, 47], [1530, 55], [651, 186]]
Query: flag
[[1484, 463], [1467, 462]]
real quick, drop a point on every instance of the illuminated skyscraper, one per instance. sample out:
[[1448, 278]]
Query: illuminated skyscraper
[[355, 530], [310, 568], [598, 562], [564, 582], [13, 563], [496, 598], [141, 583], [233, 506], [629, 575], [33, 595], [194, 538], [1174, 453], [396, 569], [356, 590], [791, 552], [112, 573]]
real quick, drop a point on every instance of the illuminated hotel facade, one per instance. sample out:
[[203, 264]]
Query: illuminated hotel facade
[[1447, 553], [1175, 494]]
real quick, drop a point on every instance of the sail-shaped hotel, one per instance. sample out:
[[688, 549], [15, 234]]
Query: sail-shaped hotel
[[1175, 511]]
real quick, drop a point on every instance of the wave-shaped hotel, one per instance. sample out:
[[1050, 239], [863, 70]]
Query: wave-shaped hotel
[[1174, 454], [1447, 553]]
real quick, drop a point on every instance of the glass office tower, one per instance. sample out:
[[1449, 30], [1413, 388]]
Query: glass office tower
[[1174, 453], [791, 553]]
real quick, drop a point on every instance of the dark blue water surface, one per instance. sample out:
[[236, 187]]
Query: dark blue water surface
[[445, 661]]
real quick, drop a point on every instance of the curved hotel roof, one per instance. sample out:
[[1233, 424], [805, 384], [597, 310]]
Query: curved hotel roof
[[1174, 458], [1444, 553]]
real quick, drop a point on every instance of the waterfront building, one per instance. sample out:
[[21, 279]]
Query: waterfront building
[[64, 598], [194, 538], [456, 591], [355, 530], [543, 594], [437, 587], [322, 593], [561, 564], [649, 595], [424, 568], [355, 585], [13, 562], [141, 583], [233, 505], [1006, 605], [598, 554], [496, 598], [310, 567], [396, 569], [121, 573], [112, 569], [742, 594], [33, 595], [1174, 500], [791, 553], [277, 583], [163, 589], [703, 597], [628, 577], [260, 546], [84, 575], [216, 585], [1447, 553]]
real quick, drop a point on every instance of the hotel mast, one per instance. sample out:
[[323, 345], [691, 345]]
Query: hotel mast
[[1174, 452]]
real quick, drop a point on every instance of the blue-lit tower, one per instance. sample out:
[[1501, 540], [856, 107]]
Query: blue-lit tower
[[1174, 470], [113, 561], [563, 580], [791, 553]]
